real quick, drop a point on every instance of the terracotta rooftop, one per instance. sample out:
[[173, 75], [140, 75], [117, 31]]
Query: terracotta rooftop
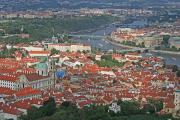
[[6, 91], [35, 76], [27, 91]]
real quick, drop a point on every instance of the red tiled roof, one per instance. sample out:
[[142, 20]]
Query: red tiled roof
[[31, 60], [10, 110], [27, 91], [35, 76], [84, 103], [8, 70], [8, 78], [6, 91], [22, 104]]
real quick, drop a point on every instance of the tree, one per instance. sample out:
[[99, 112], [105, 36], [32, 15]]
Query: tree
[[157, 104], [33, 113], [129, 107], [178, 73], [157, 48], [79, 51], [148, 108], [173, 48], [175, 68], [131, 111], [49, 107], [142, 45], [66, 104], [54, 51], [67, 50], [165, 39], [2, 33]]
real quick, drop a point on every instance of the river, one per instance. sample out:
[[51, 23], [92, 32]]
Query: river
[[105, 45]]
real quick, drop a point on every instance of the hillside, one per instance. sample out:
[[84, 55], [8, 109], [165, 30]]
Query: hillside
[[19, 5]]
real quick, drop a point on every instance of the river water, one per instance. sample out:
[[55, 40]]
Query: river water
[[105, 45]]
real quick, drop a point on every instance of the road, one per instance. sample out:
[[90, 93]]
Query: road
[[150, 49]]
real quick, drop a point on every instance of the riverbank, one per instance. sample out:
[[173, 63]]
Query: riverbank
[[132, 47]]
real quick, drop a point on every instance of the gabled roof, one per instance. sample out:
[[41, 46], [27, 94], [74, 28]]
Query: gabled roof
[[22, 104], [27, 91], [8, 78], [6, 91], [34, 76], [10, 110]]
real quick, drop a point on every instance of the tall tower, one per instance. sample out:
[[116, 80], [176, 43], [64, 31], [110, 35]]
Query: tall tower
[[54, 39]]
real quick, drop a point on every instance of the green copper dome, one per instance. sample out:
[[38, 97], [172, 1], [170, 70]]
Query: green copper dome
[[41, 66]]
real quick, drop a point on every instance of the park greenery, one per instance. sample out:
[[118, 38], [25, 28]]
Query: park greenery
[[178, 73], [130, 110], [40, 29], [48, 109], [16, 40], [107, 61], [176, 70], [54, 51], [7, 53]]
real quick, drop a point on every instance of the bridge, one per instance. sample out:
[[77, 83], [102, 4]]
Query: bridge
[[82, 36], [131, 50], [99, 37]]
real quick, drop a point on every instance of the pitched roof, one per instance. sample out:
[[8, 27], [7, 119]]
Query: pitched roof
[[27, 91], [35, 76], [10, 110], [22, 104], [6, 91], [8, 78]]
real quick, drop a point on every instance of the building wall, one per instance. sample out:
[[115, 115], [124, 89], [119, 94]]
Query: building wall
[[36, 84], [177, 100], [149, 41], [39, 55], [43, 72], [174, 41], [42, 84], [174, 44], [10, 116], [8, 84], [31, 48], [169, 110], [1, 115], [70, 48], [37, 96]]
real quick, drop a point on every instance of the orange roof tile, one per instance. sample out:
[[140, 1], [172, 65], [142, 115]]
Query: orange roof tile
[[27, 91]]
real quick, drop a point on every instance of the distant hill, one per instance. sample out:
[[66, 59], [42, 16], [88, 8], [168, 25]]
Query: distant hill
[[16, 5]]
